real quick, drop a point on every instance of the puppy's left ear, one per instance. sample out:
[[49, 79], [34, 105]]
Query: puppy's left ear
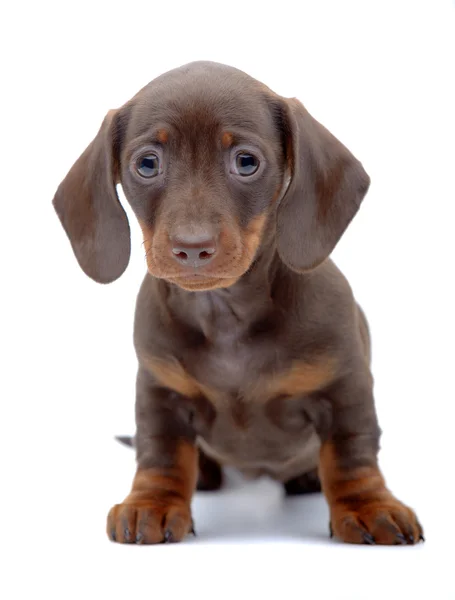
[[326, 189]]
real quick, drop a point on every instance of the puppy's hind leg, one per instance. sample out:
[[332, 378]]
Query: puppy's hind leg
[[307, 483], [210, 476]]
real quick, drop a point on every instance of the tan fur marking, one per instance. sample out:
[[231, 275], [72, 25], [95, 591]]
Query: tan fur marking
[[362, 509], [147, 235], [227, 139], [172, 375], [303, 378], [240, 245], [276, 195], [158, 507], [203, 285], [181, 478], [163, 136], [253, 236], [338, 483]]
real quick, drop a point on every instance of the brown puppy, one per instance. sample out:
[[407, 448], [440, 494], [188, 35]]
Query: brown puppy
[[252, 350]]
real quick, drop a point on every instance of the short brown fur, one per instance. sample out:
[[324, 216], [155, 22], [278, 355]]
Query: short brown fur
[[252, 349]]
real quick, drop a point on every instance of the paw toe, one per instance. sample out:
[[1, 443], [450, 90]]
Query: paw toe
[[129, 524]]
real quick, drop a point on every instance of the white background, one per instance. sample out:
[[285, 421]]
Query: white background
[[379, 75]]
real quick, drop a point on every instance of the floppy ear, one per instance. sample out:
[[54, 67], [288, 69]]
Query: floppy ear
[[326, 188], [89, 209]]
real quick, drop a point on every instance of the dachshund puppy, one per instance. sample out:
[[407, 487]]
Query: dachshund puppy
[[252, 350]]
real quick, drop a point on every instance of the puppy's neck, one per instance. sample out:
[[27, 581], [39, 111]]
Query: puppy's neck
[[239, 306]]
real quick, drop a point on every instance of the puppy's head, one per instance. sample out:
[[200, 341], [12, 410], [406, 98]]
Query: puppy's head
[[212, 163]]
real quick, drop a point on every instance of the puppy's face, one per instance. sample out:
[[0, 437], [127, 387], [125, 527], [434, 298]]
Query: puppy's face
[[202, 164], [214, 164]]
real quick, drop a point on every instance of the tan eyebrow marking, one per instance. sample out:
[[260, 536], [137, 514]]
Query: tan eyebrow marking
[[163, 136], [227, 139]]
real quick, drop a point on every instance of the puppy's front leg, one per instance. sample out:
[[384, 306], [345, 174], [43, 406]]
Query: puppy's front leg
[[158, 506], [362, 509]]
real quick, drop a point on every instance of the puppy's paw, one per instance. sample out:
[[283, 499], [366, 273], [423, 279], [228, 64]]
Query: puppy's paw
[[382, 520], [150, 520]]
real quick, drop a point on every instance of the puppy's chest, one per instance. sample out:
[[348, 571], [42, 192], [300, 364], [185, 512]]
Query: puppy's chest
[[243, 373], [232, 362], [243, 363], [258, 419], [234, 375]]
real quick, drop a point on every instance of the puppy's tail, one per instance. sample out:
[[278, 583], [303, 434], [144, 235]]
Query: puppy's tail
[[126, 440]]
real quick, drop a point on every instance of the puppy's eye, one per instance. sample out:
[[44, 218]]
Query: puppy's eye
[[245, 164], [148, 166]]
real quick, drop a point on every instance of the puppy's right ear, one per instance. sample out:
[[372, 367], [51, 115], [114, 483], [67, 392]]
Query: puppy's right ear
[[89, 209]]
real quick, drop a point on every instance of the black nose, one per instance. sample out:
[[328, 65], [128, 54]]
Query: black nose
[[193, 250]]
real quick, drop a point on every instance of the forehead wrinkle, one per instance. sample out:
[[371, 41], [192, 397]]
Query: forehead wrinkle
[[225, 104]]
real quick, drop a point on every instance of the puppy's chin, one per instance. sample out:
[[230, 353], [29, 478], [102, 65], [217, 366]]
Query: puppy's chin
[[197, 282], [202, 284]]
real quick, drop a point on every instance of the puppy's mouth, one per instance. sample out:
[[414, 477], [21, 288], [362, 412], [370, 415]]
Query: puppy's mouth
[[198, 278]]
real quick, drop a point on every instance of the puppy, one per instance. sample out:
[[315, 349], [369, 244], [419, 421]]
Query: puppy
[[252, 350]]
